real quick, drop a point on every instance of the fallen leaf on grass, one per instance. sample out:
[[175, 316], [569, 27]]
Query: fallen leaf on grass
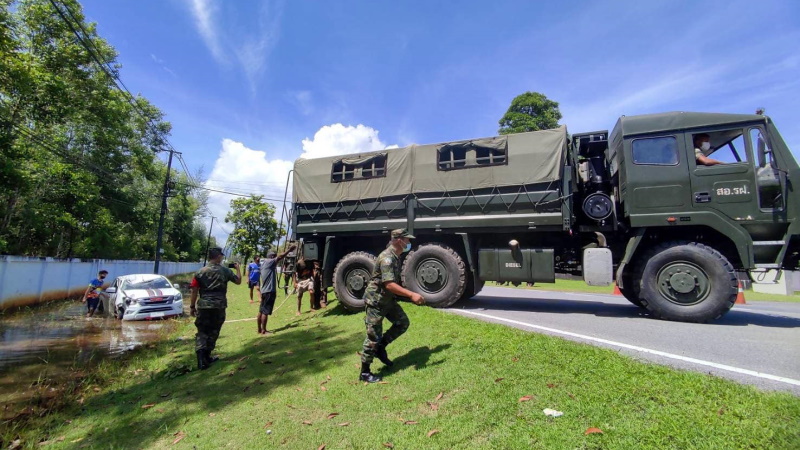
[[323, 388], [525, 398], [290, 406], [269, 424], [231, 373], [515, 359], [306, 422], [97, 389], [410, 422], [160, 410], [211, 414], [246, 388], [328, 377], [385, 397], [166, 395], [383, 382], [434, 406], [432, 432], [721, 411], [344, 424], [266, 361], [497, 380], [243, 358], [324, 382], [439, 397], [299, 390], [388, 445], [148, 406], [289, 352], [571, 396], [240, 368], [593, 431], [321, 447], [332, 415], [551, 385], [178, 437]]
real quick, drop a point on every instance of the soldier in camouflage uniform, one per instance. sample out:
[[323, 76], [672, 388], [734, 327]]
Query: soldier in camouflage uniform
[[380, 301], [211, 282]]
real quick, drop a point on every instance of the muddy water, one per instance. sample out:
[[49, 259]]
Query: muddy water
[[42, 350]]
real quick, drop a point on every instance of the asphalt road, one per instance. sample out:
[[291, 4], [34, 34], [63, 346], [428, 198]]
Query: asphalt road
[[757, 343]]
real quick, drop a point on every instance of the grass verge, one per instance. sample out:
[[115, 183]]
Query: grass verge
[[579, 286], [456, 383]]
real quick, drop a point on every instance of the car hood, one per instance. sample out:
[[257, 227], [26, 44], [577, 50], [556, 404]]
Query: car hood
[[149, 293]]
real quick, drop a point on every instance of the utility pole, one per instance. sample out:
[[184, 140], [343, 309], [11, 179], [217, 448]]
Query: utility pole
[[208, 241], [160, 238]]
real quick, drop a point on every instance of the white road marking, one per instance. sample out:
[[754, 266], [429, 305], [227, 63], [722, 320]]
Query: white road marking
[[639, 349]]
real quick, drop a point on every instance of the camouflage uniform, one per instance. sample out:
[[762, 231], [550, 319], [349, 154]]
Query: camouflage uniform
[[382, 303], [213, 283]]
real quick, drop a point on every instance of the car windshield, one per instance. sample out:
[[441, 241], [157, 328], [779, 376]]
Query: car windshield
[[153, 283]]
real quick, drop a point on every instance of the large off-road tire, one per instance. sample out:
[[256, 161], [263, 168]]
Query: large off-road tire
[[436, 272], [350, 279], [631, 288], [470, 290], [687, 282]]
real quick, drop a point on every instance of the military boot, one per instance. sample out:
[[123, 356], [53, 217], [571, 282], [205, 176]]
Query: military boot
[[380, 353], [367, 375], [211, 359], [202, 361]]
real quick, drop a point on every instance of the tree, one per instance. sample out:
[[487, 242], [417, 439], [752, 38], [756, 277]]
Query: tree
[[255, 227], [530, 111]]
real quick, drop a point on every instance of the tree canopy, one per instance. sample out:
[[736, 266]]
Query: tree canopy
[[254, 226], [530, 111], [79, 173]]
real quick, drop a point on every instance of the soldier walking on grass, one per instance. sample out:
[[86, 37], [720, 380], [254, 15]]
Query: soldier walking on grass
[[212, 284], [380, 299]]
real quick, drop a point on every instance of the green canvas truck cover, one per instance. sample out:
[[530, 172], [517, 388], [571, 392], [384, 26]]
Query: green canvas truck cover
[[530, 158]]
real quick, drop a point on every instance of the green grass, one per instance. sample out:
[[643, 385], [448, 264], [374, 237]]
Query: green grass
[[580, 286], [456, 375]]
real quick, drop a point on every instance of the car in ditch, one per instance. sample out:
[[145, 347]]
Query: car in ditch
[[144, 297]]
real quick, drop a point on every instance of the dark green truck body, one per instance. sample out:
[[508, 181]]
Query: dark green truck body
[[632, 205]]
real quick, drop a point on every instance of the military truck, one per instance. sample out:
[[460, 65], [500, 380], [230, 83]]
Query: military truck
[[633, 205]]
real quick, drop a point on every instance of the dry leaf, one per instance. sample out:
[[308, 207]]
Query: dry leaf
[[166, 395], [289, 352], [246, 388], [386, 397], [321, 447], [243, 358], [515, 359], [332, 415], [290, 406], [323, 388], [178, 437], [410, 422], [571, 396], [383, 382], [211, 414], [388, 445], [551, 385], [721, 411], [432, 432], [148, 406], [306, 422], [525, 398], [434, 406], [439, 397], [497, 380], [231, 373], [344, 424], [324, 382], [593, 431], [328, 377], [61, 438], [97, 389], [269, 424]]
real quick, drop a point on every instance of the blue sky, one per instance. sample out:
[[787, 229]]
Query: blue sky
[[251, 85]]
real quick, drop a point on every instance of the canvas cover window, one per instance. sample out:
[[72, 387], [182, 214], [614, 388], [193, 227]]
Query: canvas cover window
[[464, 155], [349, 169]]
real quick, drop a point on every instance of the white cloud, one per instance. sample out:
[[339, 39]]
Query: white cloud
[[250, 49], [338, 139], [243, 170]]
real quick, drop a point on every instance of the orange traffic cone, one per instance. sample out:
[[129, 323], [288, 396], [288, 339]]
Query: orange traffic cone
[[740, 296], [616, 290]]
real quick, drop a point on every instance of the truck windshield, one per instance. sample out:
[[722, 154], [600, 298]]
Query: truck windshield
[[154, 283], [728, 146]]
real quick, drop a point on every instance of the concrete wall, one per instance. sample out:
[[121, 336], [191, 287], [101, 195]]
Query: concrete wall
[[788, 284], [29, 280]]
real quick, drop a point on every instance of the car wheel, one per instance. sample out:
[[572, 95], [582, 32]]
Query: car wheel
[[437, 272], [120, 313], [351, 277], [687, 281], [631, 288]]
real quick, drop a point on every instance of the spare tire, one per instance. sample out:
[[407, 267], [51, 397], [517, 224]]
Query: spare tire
[[436, 272], [350, 279]]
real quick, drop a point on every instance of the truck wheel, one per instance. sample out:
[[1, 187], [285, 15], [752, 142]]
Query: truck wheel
[[437, 272], [469, 290], [687, 281], [350, 279], [631, 289]]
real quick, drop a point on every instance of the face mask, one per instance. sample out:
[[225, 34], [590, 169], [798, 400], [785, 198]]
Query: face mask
[[407, 247], [705, 146]]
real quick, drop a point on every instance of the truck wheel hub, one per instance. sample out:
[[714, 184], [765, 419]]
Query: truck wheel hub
[[432, 275], [683, 283], [356, 281]]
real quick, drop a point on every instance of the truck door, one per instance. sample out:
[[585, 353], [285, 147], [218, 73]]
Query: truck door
[[656, 179], [732, 188]]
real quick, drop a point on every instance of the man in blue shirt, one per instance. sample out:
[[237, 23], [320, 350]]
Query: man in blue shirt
[[253, 275], [92, 295]]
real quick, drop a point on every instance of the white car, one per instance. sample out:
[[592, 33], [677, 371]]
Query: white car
[[144, 297]]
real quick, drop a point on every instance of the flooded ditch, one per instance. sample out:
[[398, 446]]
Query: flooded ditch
[[44, 349]]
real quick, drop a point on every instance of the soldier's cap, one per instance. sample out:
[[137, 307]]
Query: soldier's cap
[[401, 233]]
